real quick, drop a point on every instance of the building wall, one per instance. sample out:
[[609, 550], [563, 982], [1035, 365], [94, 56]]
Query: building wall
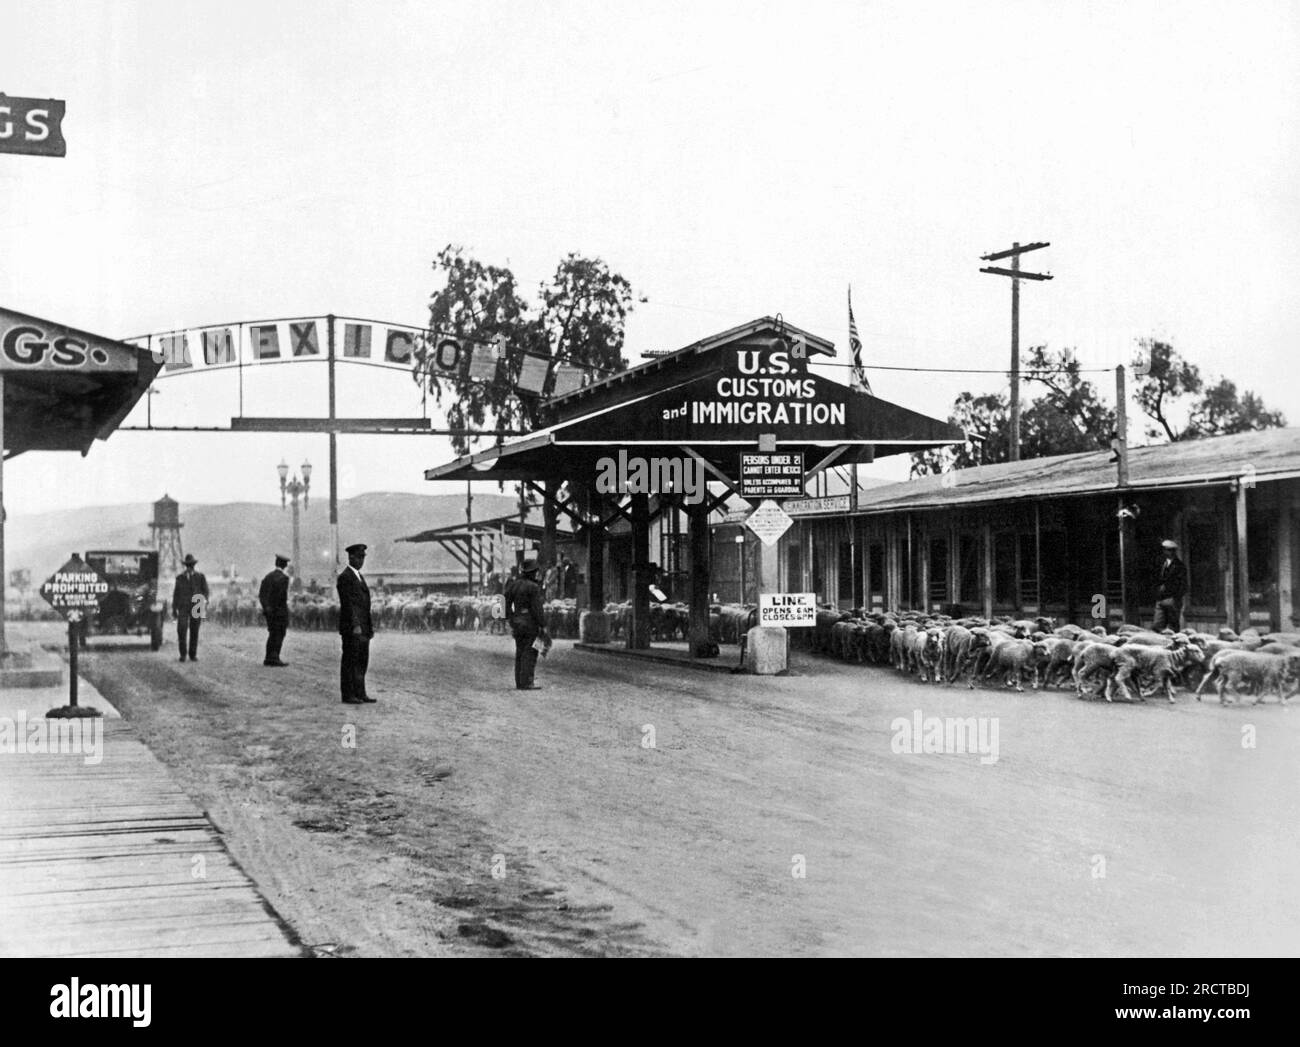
[[1058, 557]]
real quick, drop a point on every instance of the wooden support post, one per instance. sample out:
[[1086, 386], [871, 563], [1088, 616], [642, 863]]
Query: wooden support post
[[697, 630], [1241, 561], [638, 633], [4, 650], [988, 570], [1285, 605]]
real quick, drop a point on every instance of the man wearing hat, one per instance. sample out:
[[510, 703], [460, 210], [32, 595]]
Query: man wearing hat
[[524, 612], [274, 598], [189, 607], [355, 627], [1172, 589]]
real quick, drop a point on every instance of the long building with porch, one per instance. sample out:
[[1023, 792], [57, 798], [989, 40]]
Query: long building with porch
[[1057, 536]]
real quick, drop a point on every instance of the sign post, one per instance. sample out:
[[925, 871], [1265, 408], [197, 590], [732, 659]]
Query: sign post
[[74, 590], [30, 127], [769, 521]]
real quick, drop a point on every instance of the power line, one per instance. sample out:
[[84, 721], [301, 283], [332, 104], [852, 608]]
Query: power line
[[974, 370]]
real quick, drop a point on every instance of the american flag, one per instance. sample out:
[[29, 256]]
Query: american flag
[[858, 379]]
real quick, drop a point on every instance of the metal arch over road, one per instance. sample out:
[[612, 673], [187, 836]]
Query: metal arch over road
[[255, 344]]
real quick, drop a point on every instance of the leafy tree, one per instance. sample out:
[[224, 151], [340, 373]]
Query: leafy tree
[[1170, 388], [1068, 417], [579, 320]]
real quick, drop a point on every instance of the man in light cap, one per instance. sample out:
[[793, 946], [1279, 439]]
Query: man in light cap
[[355, 627], [274, 598], [527, 620], [189, 607], [1171, 590]]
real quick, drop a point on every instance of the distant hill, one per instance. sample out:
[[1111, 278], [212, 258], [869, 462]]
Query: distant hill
[[246, 536]]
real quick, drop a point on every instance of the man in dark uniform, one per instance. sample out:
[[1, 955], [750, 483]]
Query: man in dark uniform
[[526, 617], [274, 598], [1172, 589], [189, 607], [355, 628], [568, 578]]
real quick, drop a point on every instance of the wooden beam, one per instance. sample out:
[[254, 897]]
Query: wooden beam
[[712, 470], [1018, 274], [1241, 560], [1010, 252]]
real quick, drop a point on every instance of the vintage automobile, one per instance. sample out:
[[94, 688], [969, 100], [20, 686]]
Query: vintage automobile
[[132, 604]]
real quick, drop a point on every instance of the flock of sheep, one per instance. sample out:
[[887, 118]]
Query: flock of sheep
[[1131, 662], [403, 612]]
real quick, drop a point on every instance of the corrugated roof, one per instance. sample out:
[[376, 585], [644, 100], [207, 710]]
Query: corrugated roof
[[1264, 455]]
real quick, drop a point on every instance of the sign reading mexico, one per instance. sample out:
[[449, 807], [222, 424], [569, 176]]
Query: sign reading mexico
[[789, 609], [28, 343], [32, 126], [74, 588]]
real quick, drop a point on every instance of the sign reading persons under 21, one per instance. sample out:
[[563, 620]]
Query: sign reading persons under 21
[[771, 475], [32, 126], [74, 589]]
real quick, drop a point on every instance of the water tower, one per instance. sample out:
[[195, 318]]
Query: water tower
[[166, 526]]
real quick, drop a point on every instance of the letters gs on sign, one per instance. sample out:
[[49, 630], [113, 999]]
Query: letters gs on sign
[[28, 346], [32, 126]]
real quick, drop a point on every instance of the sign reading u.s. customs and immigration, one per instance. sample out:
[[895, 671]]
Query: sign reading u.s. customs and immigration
[[74, 588], [32, 126], [759, 389], [792, 610], [771, 475], [28, 343]]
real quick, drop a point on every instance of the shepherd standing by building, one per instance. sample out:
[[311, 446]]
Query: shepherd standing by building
[[274, 598], [1172, 589]]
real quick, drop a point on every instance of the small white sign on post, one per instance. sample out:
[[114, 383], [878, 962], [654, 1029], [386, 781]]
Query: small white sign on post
[[769, 521], [791, 610]]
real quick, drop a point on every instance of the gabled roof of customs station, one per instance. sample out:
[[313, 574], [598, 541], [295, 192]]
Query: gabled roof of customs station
[[629, 410], [673, 368]]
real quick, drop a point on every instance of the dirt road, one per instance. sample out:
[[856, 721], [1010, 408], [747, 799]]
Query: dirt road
[[769, 816]]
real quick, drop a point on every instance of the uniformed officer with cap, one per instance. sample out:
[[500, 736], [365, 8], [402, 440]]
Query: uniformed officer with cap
[[355, 627], [1172, 589], [189, 607], [274, 598], [526, 616]]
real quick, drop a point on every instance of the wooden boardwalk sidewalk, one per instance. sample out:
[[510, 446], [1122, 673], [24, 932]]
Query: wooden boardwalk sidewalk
[[113, 859]]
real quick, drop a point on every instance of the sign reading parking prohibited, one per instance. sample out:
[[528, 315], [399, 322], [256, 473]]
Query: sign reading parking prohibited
[[73, 588]]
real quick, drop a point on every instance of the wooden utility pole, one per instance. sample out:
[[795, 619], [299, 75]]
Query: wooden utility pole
[[1016, 274], [1120, 443]]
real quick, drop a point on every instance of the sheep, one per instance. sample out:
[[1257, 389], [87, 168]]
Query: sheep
[[1265, 671], [1093, 659], [1159, 664], [1014, 659], [956, 651]]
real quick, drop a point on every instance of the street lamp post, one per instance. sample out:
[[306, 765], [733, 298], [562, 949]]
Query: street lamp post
[[293, 488], [740, 548]]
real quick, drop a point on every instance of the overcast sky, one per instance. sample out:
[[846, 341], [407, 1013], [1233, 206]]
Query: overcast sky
[[232, 161]]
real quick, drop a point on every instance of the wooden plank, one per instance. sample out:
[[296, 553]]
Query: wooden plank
[[98, 860]]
